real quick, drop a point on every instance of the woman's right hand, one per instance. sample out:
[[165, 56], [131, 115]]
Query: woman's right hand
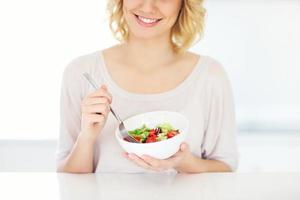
[[95, 108]]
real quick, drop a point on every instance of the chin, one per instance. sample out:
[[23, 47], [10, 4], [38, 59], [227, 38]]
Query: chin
[[145, 35]]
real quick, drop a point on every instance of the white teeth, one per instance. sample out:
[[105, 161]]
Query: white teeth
[[147, 20]]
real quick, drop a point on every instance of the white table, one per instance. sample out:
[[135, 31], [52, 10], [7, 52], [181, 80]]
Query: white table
[[213, 186]]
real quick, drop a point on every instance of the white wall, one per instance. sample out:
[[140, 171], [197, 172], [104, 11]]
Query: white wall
[[258, 42]]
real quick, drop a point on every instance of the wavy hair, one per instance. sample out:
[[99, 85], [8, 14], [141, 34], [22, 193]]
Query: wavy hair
[[188, 28]]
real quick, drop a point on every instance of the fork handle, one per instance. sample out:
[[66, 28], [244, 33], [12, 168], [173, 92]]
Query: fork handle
[[116, 116]]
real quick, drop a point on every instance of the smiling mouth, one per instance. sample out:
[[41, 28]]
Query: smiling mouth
[[148, 22]]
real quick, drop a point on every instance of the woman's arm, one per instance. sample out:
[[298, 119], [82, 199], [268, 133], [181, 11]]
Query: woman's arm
[[194, 164], [95, 109], [80, 160], [81, 120]]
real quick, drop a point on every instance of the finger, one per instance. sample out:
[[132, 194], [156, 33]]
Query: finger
[[101, 95], [175, 158], [139, 161], [94, 118], [98, 108], [96, 100], [184, 147], [151, 161], [106, 90], [125, 154], [101, 92], [157, 164], [104, 87]]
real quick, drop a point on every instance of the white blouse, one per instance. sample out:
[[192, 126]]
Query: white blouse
[[204, 97]]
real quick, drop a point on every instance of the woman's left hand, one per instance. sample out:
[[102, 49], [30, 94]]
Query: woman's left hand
[[175, 161]]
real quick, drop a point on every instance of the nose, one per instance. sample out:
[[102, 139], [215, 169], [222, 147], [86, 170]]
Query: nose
[[148, 6]]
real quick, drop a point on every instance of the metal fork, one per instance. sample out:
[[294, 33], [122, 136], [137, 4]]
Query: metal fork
[[122, 129]]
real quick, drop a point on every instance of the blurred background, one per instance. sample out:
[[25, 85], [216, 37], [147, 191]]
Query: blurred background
[[258, 43]]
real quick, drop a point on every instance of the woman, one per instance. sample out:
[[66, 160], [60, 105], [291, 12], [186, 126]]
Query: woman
[[150, 69]]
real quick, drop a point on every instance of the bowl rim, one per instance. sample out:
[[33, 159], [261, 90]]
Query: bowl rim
[[118, 136]]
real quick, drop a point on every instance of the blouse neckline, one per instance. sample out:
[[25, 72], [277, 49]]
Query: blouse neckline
[[152, 96]]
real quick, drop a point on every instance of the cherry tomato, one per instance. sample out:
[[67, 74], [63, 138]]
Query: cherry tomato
[[151, 139]]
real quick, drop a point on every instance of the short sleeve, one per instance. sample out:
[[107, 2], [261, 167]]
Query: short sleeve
[[70, 109], [219, 141]]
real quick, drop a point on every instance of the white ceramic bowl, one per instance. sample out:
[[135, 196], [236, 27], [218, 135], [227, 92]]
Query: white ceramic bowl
[[162, 149]]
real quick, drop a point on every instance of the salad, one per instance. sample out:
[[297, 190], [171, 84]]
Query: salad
[[161, 132]]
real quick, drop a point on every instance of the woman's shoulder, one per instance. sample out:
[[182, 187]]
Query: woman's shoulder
[[82, 62], [211, 71], [214, 69], [72, 73]]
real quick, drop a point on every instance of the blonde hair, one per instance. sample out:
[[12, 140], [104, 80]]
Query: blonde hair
[[188, 28]]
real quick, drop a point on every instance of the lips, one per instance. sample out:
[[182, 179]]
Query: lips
[[147, 22]]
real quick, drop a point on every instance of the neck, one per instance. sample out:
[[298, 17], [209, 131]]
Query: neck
[[148, 54]]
